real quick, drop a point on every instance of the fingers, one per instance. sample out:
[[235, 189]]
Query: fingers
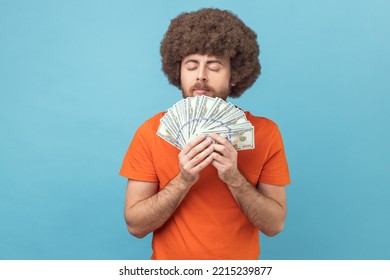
[[224, 159], [223, 141], [195, 156], [193, 143], [223, 149], [199, 157], [202, 151], [195, 148], [209, 159]]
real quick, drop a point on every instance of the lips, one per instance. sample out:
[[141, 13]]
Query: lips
[[201, 90], [196, 92]]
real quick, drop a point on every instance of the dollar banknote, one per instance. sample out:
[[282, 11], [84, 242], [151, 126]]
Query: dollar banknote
[[197, 115]]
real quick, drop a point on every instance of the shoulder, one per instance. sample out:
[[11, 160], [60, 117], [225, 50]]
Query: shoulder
[[261, 122], [265, 129], [152, 123], [156, 118]]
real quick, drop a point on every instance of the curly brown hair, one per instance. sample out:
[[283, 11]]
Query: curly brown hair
[[213, 32]]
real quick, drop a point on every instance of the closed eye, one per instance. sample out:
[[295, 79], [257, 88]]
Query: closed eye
[[191, 65], [214, 66]]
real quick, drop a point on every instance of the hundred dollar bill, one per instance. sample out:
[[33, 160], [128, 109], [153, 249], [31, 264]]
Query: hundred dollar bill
[[238, 120], [241, 139], [164, 133], [210, 117]]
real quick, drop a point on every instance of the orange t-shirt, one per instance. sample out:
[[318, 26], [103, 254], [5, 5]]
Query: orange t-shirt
[[208, 224]]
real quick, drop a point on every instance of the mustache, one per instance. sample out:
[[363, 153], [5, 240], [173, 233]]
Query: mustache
[[201, 85]]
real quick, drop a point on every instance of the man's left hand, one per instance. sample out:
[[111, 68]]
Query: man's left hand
[[225, 161]]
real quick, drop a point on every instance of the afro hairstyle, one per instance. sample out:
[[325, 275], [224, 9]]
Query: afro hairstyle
[[213, 32]]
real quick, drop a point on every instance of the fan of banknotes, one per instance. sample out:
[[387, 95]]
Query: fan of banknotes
[[197, 115]]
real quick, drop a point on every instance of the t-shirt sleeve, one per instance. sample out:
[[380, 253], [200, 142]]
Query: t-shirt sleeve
[[275, 170], [138, 161]]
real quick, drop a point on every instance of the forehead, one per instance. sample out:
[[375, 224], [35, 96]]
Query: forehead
[[205, 57]]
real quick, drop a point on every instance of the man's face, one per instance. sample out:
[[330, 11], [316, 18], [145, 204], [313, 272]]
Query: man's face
[[205, 75]]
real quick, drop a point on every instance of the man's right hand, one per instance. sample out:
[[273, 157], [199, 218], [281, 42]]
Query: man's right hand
[[194, 157]]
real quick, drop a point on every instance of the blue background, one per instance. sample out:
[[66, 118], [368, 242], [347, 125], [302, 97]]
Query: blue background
[[78, 77]]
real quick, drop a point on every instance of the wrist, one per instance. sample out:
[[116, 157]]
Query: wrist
[[236, 181], [185, 180]]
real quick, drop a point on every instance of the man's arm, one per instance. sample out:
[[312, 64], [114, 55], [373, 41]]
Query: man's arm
[[265, 206], [146, 208]]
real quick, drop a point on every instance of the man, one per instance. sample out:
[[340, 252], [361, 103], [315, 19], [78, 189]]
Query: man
[[207, 201]]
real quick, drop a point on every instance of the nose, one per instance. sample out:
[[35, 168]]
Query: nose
[[202, 75]]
